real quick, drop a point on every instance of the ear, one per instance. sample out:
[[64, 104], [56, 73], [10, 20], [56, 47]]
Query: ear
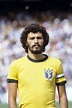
[[26, 44]]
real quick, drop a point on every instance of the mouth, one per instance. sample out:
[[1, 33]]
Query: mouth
[[36, 45]]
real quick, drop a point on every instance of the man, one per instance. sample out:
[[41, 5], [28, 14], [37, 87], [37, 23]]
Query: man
[[36, 74]]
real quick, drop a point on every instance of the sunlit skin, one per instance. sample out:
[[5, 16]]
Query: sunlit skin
[[35, 45]]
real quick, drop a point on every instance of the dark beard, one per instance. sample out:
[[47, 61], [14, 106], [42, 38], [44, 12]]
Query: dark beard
[[36, 52]]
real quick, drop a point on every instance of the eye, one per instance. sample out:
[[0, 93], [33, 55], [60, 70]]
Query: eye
[[32, 38], [39, 37]]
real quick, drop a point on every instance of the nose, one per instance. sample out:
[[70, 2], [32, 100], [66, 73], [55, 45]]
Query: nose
[[35, 40]]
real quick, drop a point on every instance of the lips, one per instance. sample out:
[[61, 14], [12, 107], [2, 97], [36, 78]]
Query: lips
[[37, 45]]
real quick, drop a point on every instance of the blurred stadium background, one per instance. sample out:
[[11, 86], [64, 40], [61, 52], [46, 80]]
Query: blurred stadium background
[[55, 15]]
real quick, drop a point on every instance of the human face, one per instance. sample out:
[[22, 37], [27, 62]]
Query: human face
[[35, 42]]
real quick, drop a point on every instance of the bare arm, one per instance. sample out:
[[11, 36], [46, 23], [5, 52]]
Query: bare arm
[[62, 96], [12, 93]]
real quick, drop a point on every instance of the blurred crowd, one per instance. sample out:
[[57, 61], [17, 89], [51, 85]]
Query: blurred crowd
[[58, 25]]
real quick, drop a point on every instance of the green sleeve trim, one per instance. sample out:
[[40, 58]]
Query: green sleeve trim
[[61, 83], [12, 81]]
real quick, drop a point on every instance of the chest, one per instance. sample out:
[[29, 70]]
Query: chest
[[37, 74]]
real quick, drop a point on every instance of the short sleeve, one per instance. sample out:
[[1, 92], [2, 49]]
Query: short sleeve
[[13, 72], [60, 77]]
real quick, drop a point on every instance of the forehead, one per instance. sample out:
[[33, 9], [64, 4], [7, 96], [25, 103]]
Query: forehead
[[37, 34]]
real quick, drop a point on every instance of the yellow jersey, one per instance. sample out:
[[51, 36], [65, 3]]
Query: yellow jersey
[[37, 80]]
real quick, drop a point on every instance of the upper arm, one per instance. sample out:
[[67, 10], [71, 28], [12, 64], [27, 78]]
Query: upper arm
[[61, 91], [62, 96], [12, 91]]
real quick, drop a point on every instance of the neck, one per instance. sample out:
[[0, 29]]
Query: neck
[[36, 56]]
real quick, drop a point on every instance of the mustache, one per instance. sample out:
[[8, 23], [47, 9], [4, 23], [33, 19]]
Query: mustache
[[36, 45]]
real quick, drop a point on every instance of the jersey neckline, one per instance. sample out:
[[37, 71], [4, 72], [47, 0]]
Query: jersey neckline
[[46, 56]]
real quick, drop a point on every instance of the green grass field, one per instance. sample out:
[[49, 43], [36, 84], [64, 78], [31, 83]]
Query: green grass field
[[6, 106]]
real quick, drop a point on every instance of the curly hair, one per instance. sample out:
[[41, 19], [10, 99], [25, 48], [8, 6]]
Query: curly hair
[[34, 27]]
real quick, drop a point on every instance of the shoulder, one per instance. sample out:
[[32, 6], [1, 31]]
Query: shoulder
[[54, 60], [19, 61]]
